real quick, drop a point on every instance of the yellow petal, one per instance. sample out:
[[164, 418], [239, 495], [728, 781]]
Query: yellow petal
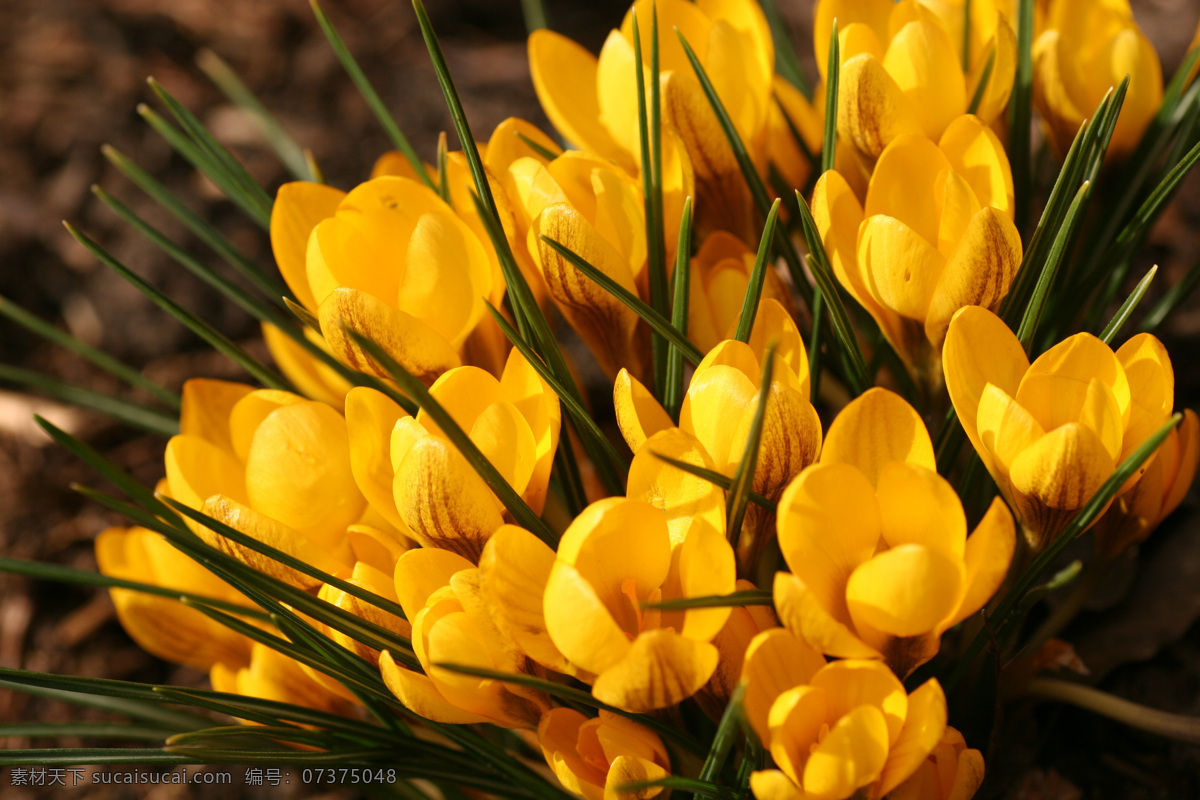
[[802, 614], [978, 273], [250, 412], [639, 414], [1052, 479], [791, 439], [207, 405], [776, 661], [1151, 387], [616, 89], [773, 784], [1004, 69], [298, 207], [1005, 429], [298, 471], [1058, 399], [370, 418], [979, 349], [421, 572], [411, 343], [901, 268], [443, 501], [904, 183], [976, 153], [924, 726], [988, 554], [873, 14], [312, 378], [716, 395], [197, 469], [872, 108], [705, 567], [875, 428], [925, 65], [564, 77], [631, 769], [1079, 358], [851, 756], [918, 506], [419, 694], [1189, 456], [579, 623], [270, 532], [905, 591], [774, 322], [514, 569], [681, 495], [660, 669], [851, 683], [828, 524], [504, 438], [796, 720]]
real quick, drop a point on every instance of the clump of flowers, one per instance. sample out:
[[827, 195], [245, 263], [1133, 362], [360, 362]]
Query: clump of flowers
[[755, 557]]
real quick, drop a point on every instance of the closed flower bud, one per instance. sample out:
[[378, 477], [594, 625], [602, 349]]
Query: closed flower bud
[[1052, 432], [903, 570], [595, 757], [951, 771]]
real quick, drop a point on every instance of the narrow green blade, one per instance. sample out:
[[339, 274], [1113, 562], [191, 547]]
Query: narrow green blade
[[1041, 292], [674, 391], [124, 411], [716, 479], [743, 476], [1021, 115], [1126, 309], [750, 597], [758, 277]]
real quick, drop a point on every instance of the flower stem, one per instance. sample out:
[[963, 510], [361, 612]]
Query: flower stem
[[1172, 726]]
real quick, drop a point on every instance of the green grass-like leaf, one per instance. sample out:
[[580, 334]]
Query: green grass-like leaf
[[1041, 292], [832, 84], [124, 411], [723, 739], [1021, 116], [673, 391], [217, 340], [743, 476], [290, 153], [984, 79], [1126, 309], [656, 321], [758, 277], [749, 597], [1173, 299], [91, 354], [1004, 617], [697, 787], [386, 121], [518, 508]]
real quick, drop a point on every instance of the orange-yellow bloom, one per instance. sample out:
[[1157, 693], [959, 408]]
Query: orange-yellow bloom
[[441, 595], [594, 757], [1052, 432], [418, 481], [1135, 514], [936, 234], [270, 675], [903, 569], [850, 728], [902, 69], [952, 771], [1087, 48], [593, 101], [162, 626]]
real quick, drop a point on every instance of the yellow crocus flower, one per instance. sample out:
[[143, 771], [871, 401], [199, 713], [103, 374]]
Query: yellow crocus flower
[[936, 234], [618, 555], [593, 101], [441, 595], [1052, 432], [346, 257], [162, 626], [952, 771], [732, 642], [902, 69], [594, 757], [1087, 48], [272, 465], [270, 675], [903, 570], [849, 730], [1135, 514], [719, 408], [419, 482], [720, 273], [594, 209]]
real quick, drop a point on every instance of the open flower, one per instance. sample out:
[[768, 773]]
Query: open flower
[[1052, 432], [270, 675], [1135, 514], [850, 728], [877, 543], [594, 757], [719, 408], [1086, 49], [160, 625], [272, 465], [417, 480], [593, 101], [440, 594], [616, 557], [952, 771], [902, 70], [390, 261], [936, 234]]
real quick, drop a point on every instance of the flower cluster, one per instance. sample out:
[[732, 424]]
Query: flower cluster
[[721, 527]]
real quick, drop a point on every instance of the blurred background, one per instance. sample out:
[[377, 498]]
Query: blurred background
[[71, 75]]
